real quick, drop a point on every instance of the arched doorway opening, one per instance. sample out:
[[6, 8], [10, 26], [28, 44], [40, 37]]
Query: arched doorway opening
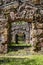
[[21, 32], [20, 38]]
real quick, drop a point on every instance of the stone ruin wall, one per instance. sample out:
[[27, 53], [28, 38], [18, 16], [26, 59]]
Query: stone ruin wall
[[36, 32], [3, 34]]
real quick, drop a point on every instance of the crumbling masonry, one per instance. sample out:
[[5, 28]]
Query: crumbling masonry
[[28, 11]]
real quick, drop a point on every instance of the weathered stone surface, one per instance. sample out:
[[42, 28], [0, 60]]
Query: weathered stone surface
[[41, 49], [39, 25], [41, 11], [35, 40], [22, 11], [41, 39], [33, 33], [33, 25], [14, 4], [39, 31], [36, 1], [3, 48]]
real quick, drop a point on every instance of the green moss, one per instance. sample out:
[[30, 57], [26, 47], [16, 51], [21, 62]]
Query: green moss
[[20, 44]]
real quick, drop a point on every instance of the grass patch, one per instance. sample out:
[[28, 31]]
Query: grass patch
[[31, 60], [20, 44]]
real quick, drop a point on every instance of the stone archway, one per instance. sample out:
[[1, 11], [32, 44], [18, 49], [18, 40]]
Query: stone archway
[[21, 31]]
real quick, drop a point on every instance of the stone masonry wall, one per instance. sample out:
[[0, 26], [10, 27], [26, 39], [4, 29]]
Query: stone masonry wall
[[3, 34], [23, 11], [37, 33]]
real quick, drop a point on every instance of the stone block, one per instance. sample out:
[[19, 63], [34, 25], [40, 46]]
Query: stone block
[[1, 48], [33, 25], [36, 1], [41, 39], [5, 48], [39, 31], [39, 25], [27, 41], [41, 44], [41, 49], [16, 4], [35, 41], [33, 33]]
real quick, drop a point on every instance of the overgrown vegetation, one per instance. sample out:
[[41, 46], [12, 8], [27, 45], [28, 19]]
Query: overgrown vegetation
[[19, 44], [31, 60]]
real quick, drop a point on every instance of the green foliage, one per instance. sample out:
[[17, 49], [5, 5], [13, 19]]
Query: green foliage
[[35, 60], [20, 44]]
